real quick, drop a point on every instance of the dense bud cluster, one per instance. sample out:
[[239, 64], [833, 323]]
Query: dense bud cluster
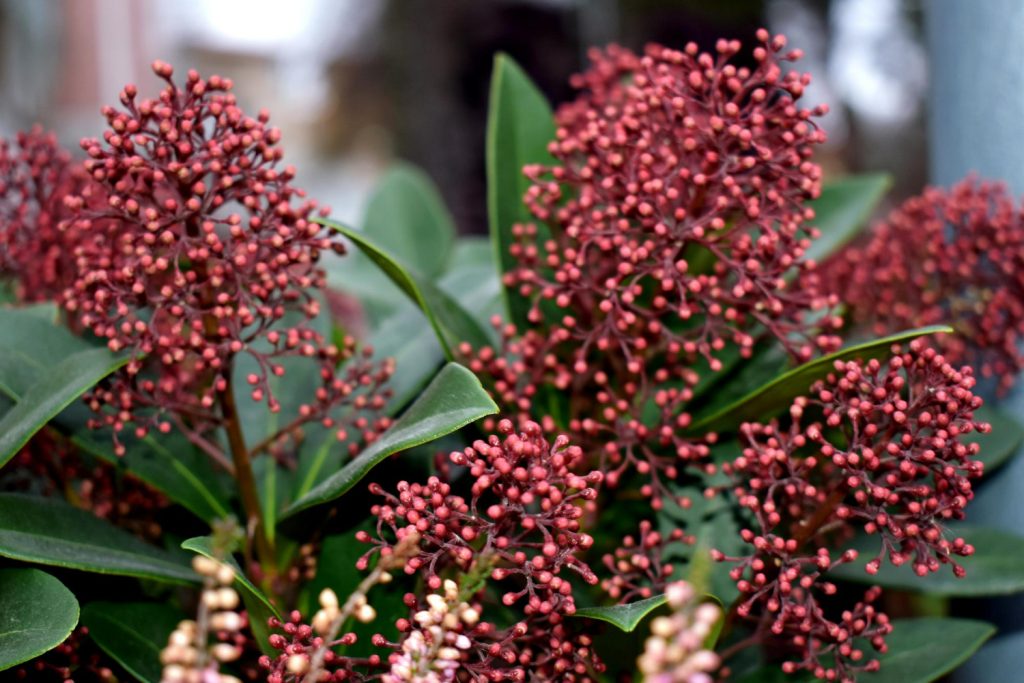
[[888, 456], [431, 651], [670, 229], [36, 175], [296, 641], [675, 651], [948, 256], [681, 157], [200, 251], [519, 526]]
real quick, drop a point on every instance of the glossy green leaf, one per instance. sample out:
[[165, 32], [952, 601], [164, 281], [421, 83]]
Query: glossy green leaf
[[49, 531], [520, 125], [624, 617], [777, 394], [920, 651], [132, 633], [995, 568], [450, 322], [258, 605], [415, 350], [1000, 444], [452, 400], [407, 217], [52, 392], [842, 210], [169, 464], [37, 613]]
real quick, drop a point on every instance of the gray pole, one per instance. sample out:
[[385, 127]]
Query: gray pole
[[976, 124]]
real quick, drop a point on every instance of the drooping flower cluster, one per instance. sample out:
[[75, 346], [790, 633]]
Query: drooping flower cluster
[[36, 175], [202, 250], [669, 230], [675, 651], [77, 658], [888, 455], [948, 256], [519, 527], [638, 568]]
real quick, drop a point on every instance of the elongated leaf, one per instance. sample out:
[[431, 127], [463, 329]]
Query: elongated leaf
[[53, 391], [843, 208], [169, 464], [49, 531], [1000, 444], [924, 650], [995, 568], [415, 350], [258, 605], [777, 394], [624, 617], [132, 633], [37, 613], [450, 322], [519, 127], [452, 400], [407, 217], [920, 651]]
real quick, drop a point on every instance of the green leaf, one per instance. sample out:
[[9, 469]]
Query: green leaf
[[37, 613], [995, 568], [1000, 444], [49, 531], [450, 322], [415, 350], [519, 127], [452, 400], [52, 392], [777, 394], [624, 617], [843, 208], [169, 464], [924, 650], [407, 217], [132, 633], [920, 651], [258, 605]]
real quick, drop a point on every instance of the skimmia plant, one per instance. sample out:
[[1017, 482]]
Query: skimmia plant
[[686, 416]]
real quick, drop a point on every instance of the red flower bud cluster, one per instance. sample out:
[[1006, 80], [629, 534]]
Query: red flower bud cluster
[[670, 229], [678, 194], [202, 250], [951, 256], [36, 175], [888, 455], [519, 525], [638, 568]]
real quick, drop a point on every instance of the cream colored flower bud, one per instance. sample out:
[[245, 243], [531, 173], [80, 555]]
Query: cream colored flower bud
[[225, 652], [226, 621], [227, 598], [365, 614], [225, 678], [298, 664], [204, 566], [449, 653], [437, 604], [225, 574], [173, 674], [179, 638], [322, 622], [329, 600], [470, 616], [385, 577]]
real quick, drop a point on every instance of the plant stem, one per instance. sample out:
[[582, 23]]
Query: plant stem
[[246, 482]]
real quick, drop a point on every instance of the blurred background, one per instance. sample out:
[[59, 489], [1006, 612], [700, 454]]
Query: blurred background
[[354, 84]]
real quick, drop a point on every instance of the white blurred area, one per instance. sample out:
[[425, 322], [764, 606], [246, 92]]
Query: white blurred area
[[64, 59], [354, 83]]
